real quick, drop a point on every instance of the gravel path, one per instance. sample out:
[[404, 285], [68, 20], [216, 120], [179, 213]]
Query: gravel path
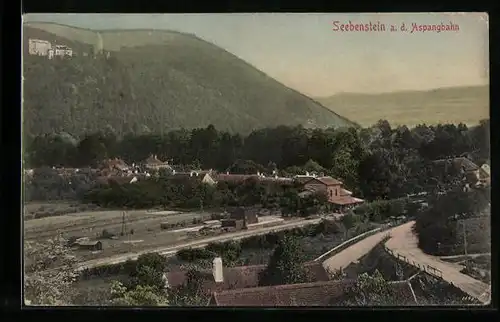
[[404, 242]]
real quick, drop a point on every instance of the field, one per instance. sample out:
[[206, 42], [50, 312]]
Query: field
[[145, 225], [34, 210], [468, 105]]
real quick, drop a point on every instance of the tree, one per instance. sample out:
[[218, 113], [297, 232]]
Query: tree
[[92, 149], [49, 273], [148, 271], [285, 264], [191, 293], [138, 296], [153, 260], [147, 276], [437, 226], [369, 290]]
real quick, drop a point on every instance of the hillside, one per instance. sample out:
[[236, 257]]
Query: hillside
[[153, 81], [454, 105]]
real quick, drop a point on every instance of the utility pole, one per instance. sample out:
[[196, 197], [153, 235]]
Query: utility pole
[[123, 223], [465, 238]]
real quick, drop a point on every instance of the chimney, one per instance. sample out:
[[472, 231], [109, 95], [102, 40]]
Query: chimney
[[165, 281], [227, 172], [173, 171], [258, 173], [217, 270], [307, 173], [191, 174]]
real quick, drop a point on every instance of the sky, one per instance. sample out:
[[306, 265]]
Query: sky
[[303, 51]]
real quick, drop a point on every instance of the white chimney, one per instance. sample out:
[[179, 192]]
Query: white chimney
[[191, 174], [173, 171], [227, 172], [165, 281], [217, 270], [307, 173], [258, 173]]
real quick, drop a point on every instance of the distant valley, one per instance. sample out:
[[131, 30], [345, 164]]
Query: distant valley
[[456, 105]]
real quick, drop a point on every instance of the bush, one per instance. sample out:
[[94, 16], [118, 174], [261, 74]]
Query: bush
[[153, 260]]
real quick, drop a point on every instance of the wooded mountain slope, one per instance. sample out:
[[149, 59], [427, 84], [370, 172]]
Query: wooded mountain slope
[[162, 81]]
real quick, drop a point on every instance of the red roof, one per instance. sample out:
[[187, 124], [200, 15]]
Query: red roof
[[306, 294], [345, 200], [328, 293], [153, 160], [329, 181], [241, 277], [110, 163]]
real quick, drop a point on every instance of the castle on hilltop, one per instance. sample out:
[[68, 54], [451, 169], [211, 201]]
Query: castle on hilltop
[[45, 48]]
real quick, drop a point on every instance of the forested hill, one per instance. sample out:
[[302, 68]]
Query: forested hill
[[153, 81]]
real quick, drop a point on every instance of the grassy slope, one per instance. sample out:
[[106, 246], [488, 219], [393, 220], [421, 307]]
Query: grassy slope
[[456, 104], [160, 79]]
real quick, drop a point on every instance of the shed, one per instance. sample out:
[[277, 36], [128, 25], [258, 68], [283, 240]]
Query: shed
[[233, 223], [90, 244]]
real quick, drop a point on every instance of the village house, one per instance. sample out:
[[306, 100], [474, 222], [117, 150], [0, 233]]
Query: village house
[[339, 197], [114, 166], [241, 217], [248, 214], [152, 163], [322, 293], [472, 174], [222, 278]]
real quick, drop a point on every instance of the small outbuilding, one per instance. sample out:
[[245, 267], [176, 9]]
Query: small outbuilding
[[90, 245]]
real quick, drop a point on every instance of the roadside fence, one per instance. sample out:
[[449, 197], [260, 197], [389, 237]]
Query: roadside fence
[[425, 268]]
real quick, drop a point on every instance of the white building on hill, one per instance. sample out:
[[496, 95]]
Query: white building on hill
[[39, 47]]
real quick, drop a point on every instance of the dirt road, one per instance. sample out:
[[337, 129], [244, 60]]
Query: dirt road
[[171, 250], [354, 252], [404, 242]]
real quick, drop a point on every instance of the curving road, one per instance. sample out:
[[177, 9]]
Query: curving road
[[171, 250], [404, 242], [354, 252]]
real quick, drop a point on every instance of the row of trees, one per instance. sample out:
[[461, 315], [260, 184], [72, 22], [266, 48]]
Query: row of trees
[[376, 162], [191, 193]]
